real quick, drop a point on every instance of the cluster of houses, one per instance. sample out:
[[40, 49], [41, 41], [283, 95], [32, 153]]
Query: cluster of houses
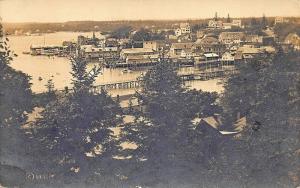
[[184, 46], [218, 24], [227, 46]]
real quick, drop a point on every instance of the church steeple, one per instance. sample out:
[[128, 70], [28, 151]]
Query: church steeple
[[216, 16]]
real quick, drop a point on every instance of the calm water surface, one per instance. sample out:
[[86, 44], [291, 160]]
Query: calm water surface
[[58, 68]]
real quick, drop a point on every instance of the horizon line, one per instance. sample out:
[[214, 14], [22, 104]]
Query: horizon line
[[136, 20]]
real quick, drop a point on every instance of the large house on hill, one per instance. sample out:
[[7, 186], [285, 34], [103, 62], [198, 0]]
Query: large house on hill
[[294, 40], [230, 38]]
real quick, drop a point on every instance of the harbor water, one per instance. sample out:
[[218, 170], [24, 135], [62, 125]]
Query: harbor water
[[43, 68]]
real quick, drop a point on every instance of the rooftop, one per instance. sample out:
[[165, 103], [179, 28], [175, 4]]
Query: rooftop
[[136, 50]]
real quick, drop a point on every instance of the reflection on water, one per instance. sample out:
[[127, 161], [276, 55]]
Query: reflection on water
[[58, 68]]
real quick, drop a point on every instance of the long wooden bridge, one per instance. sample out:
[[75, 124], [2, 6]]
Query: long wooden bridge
[[185, 77], [201, 75]]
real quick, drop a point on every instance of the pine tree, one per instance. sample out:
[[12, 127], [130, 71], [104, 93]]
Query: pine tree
[[16, 148], [269, 99], [79, 124], [163, 131], [264, 21], [228, 19]]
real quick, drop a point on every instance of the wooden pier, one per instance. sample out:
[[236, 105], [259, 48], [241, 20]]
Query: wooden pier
[[207, 75], [201, 75], [204, 75], [118, 85]]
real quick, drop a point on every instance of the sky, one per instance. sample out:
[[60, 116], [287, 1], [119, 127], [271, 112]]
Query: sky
[[108, 10]]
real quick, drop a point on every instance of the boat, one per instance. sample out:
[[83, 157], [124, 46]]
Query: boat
[[126, 71], [26, 52], [40, 78]]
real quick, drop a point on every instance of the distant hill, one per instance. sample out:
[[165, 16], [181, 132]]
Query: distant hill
[[107, 26]]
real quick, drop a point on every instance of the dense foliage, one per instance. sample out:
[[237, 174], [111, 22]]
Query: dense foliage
[[169, 148], [266, 93], [76, 128]]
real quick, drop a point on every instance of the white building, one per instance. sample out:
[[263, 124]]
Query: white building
[[178, 32], [280, 20], [215, 24], [135, 52], [227, 57], [237, 23], [184, 28]]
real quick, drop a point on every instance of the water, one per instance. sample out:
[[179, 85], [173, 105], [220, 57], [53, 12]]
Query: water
[[58, 68]]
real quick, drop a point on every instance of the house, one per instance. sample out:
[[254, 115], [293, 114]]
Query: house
[[227, 25], [154, 45], [227, 57], [238, 57], [211, 57], [141, 60], [135, 52], [177, 48], [236, 23], [210, 45], [294, 40], [269, 49], [215, 24], [185, 28], [270, 32], [184, 38], [187, 53], [89, 52], [230, 38], [178, 32], [280, 20], [291, 38], [250, 51], [253, 39]]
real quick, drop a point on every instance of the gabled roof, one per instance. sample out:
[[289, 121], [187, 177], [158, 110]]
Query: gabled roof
[[209, 40], [184, 45], [231, 35], [208, 55]]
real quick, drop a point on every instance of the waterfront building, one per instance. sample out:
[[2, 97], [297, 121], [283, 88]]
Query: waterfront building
[[135, 52], [177, 48], [230, 38]]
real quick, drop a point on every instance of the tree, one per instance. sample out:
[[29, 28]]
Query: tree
[[121, 32], [15, 93], [264, 21], [16, 147], [228, 19], [268, 96], [50, 88], [164, 131], [253, 22], [146, 35], [77, 128]]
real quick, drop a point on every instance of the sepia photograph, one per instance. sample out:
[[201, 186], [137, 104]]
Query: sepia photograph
[[149, 94]]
